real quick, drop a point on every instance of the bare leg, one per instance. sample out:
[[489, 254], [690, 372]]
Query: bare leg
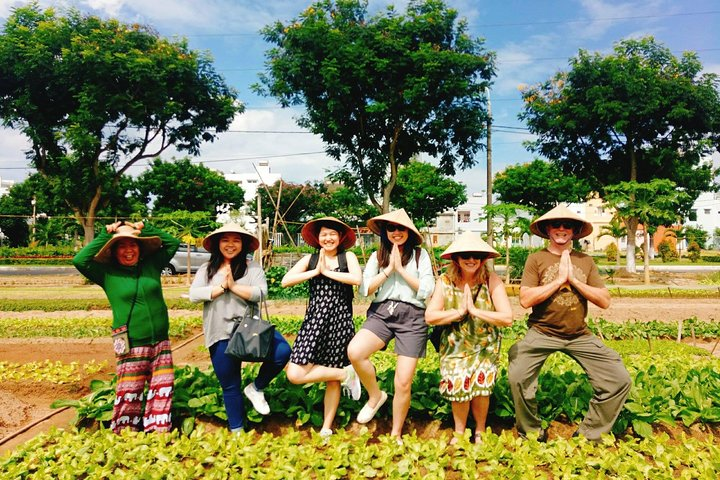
[[310, 373], [404, 373], [332, 400], [480, 406], [364, 344], [460, 411]]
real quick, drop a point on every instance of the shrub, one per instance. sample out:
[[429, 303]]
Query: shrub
[[667, 252], [611, 252], [693, 252], [274, 277]]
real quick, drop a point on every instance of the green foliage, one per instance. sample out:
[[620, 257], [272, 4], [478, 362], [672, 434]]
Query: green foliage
[[108, 92], [693, 252], [183, 185], [601, 118], [518, 257], [81, 327], [424, 192], [47, 371], [539, 186], [667, 251], [303, 454], [711, 279], [611, 253], [293, 203], [347, 68], [274, 277]]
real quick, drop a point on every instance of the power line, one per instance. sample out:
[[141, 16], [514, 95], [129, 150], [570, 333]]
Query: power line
[[499, 25]]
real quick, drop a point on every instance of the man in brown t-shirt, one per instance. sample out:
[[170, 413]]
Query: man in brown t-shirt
[[557, 283]]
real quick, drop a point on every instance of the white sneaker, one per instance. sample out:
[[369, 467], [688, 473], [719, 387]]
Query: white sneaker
[[257, 397], [325, 433], [352, 383], [367, 412]]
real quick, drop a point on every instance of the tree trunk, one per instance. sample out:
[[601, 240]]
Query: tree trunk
[[632, 224], [646, 261], [507, 259]]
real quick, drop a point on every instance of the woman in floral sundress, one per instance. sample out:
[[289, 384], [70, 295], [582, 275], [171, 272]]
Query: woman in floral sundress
[[470, 305]]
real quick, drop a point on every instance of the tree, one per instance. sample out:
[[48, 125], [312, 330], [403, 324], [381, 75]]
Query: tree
[[346, 203], [633, 115], [616, 229], [424, 192], [509, 223], [653, 204], [95, 96], [381, 90], [180, 184], [289, 205], [540, 186]]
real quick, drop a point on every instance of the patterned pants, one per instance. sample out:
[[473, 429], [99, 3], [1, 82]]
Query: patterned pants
[[150, 364]]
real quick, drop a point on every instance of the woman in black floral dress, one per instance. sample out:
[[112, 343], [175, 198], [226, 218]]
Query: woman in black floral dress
[[320, 350]]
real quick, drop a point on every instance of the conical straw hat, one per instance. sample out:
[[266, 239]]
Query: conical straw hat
[[247, 237], [148, 245], [469, 242], [561, 212], [311, 230], [377, 224]]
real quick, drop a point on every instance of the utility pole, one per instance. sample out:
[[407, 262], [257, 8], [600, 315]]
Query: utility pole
[[488, 198], [259, 229]]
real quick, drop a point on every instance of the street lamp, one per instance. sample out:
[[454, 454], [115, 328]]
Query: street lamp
[[34, 218]]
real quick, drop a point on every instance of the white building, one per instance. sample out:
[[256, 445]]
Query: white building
[[251, 181], [706, 215], [5, 186]]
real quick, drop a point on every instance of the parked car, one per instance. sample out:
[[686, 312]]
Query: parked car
[[178, 264]]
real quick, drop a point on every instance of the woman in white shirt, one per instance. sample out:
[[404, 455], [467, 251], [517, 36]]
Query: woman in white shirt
[[400, 276], [228, 285]]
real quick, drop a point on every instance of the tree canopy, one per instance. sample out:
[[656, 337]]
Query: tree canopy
[[653, 203], [539, 186], [96, 96], [180, 184], [381, 89], [636, 114], [424, 192]]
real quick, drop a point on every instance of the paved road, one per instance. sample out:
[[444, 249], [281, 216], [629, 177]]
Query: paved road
[[28, 270]]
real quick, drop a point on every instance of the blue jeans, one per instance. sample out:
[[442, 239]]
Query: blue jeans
[[229, 373]]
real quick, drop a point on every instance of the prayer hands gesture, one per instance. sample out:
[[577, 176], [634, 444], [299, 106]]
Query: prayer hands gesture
[[565, 270]]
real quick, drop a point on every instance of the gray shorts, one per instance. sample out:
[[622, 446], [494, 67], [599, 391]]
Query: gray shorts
[[402, 321]]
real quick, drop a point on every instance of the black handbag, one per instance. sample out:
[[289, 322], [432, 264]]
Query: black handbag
[[252, 336]]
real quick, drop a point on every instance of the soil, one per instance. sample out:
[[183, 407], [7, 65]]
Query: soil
[[25, 406]]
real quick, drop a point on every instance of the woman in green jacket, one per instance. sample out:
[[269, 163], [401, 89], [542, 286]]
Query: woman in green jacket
[[126, 260]]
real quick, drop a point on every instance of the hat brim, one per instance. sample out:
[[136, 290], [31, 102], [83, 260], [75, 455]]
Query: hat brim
[[561, 212], [148, 246], [247, 238], [311, 230], [469, 243], [400, 217]]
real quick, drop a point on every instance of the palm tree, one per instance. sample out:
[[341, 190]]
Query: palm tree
[[616, 229]]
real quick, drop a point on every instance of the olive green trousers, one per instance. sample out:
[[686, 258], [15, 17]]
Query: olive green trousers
[[607, 374]]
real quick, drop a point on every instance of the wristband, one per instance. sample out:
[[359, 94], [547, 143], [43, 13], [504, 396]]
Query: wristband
[[224, 288], [383, 272]]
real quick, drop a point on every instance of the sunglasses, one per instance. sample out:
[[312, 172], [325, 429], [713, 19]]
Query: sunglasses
[[391, 227], [564, 224], [469, 255]]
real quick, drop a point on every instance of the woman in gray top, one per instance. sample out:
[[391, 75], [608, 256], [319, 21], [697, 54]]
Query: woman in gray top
[[227, 284]]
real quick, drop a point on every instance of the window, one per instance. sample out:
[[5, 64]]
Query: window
[[707, 211]]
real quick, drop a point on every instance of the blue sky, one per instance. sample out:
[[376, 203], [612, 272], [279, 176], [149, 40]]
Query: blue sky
[[533, 39]]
